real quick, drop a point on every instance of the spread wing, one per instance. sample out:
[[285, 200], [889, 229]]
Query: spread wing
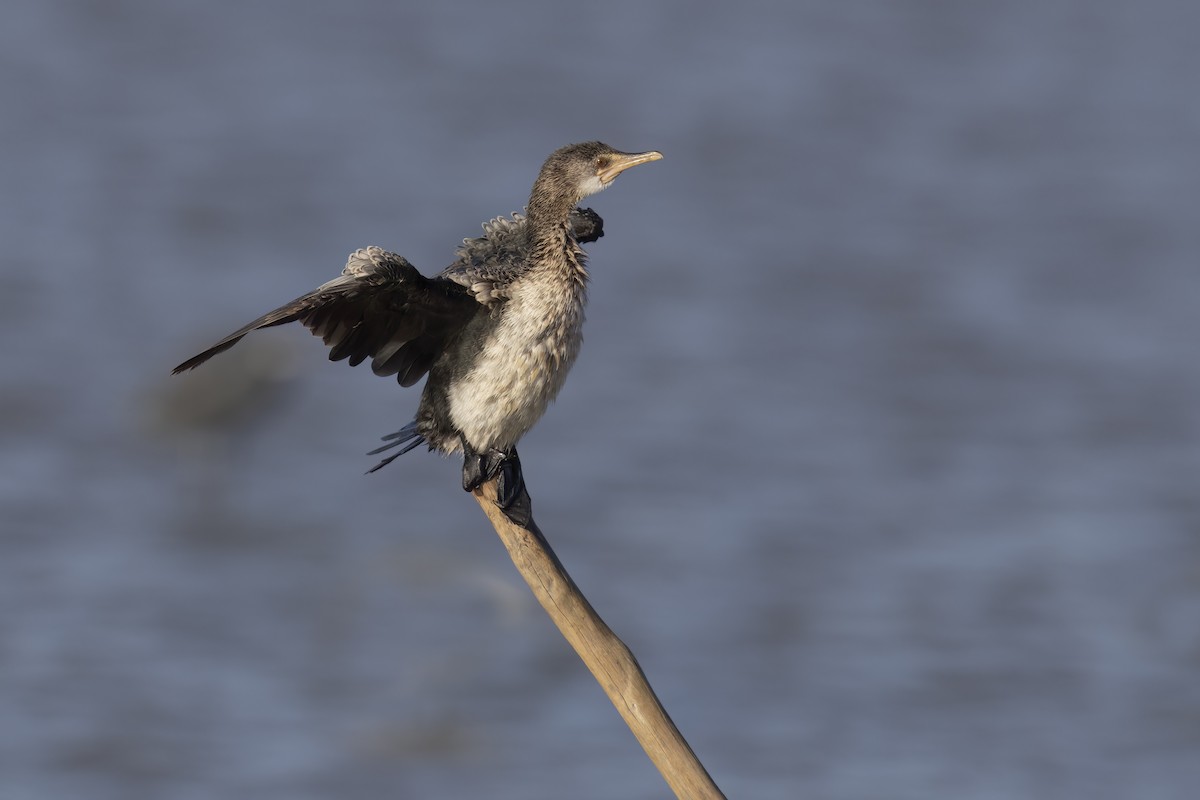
[[381, 308]]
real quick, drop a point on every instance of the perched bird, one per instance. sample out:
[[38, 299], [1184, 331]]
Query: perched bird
[[496, 331]]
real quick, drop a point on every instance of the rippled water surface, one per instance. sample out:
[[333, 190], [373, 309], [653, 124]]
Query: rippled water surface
[[882, 452]]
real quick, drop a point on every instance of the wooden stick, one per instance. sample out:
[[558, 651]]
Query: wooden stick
[[606, 656]]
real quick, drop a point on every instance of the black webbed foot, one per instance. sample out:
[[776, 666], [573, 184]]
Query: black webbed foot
[[510, 492], [511, 497], [479, 468]]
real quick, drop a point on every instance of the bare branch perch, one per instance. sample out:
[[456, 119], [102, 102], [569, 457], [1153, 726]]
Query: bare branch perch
[[606, 656]]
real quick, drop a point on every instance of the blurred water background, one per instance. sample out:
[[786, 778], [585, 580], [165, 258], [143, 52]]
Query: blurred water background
[[881, 454]]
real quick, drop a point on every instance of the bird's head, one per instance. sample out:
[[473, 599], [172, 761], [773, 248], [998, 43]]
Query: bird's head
[[578, 170]]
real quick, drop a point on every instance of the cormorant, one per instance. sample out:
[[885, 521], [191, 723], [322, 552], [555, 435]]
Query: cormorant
[[497, 330]]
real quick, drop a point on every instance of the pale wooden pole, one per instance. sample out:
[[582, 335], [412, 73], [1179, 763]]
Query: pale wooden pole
[[605, 655]]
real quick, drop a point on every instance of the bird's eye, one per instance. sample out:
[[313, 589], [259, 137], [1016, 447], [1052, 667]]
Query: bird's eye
[[601, 162]]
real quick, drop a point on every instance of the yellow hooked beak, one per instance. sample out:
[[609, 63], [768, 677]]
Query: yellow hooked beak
[[624, 161]]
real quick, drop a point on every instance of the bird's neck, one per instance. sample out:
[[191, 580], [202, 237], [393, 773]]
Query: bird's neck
[[550, 203], [552, 244]]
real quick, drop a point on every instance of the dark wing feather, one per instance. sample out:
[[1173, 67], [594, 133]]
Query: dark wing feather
[[380, 308], [586, 225]]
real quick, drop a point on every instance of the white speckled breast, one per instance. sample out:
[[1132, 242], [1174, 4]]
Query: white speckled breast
[[523, 362]]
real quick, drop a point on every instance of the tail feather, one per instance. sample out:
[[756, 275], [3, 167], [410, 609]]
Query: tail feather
[[406, 439]]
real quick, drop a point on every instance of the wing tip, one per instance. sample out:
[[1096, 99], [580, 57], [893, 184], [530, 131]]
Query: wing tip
[[197, 360]]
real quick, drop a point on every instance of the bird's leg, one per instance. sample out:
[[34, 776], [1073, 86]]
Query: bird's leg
[[510, 491], [474, 472], [479, 468]]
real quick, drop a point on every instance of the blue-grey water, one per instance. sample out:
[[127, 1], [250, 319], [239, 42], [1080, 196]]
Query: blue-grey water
[[882, 452]]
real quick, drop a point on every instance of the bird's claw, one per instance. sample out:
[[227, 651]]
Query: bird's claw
[[511, 496]]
